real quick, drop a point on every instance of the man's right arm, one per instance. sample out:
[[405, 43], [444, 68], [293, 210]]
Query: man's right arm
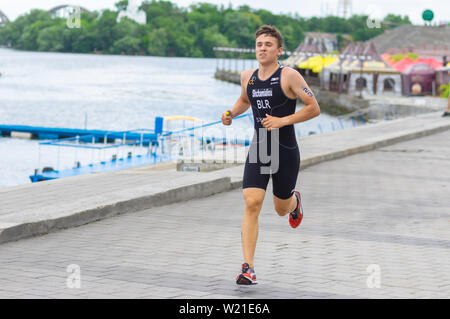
[[243, 103]]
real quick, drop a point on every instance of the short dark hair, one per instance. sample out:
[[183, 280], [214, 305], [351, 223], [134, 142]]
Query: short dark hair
[[271, 31]]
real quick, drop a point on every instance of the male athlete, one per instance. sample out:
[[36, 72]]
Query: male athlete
[[272, 92]]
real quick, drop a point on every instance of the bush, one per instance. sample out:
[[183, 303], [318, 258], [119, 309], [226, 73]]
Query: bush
[[126, 45], [445, 90]]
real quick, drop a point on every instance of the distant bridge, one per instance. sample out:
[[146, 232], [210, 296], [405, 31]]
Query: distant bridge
[[65, 10], [3, 18]]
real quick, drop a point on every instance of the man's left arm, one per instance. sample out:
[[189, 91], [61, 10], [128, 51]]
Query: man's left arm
[[298, 85]]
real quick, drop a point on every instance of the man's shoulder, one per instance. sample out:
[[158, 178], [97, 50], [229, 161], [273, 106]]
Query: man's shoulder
[[289, 71], [291, 74], [247, 73]]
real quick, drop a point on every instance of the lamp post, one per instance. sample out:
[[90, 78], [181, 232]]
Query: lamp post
[[341, 57], [308, 55], [322, 84], [361, 59]]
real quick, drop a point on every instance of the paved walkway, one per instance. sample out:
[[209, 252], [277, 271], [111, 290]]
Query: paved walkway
[[378, 219], [43, 207]]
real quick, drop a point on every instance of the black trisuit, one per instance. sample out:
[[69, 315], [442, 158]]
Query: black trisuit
[[267, 97]]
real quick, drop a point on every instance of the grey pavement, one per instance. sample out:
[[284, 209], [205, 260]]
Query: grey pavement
[[376, 225], [40, 208]]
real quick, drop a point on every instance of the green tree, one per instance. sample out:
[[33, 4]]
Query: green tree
[[176, 31], [29, 37], [126, 45], [84, 42], [17, 27], [105, 31], [121, 5], [361, 32], [156, 9], [397, 19], [5, 32], [267, 17], [142, 32], [83, 39], [50, 39], [239, 27], [213, 38], [158, 42], [125, 27]]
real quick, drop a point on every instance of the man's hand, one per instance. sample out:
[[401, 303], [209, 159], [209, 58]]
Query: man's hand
[[270, 122], [226, 118]]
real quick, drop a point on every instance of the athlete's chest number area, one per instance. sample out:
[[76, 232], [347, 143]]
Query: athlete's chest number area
[[263, 104]]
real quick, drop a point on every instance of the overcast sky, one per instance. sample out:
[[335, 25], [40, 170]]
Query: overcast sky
[[374, 8]]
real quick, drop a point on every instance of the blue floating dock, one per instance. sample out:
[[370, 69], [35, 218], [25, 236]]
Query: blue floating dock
[[105, 166], [59, 133], [102, 140]]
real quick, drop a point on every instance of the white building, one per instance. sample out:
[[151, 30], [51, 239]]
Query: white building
[[133, 12]]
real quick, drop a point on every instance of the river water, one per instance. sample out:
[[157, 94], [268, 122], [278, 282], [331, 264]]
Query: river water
[[106, 92]]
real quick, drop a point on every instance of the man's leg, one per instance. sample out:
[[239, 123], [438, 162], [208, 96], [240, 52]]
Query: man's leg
[[284, 182], [291, 205], [254, 198], [285, 206]]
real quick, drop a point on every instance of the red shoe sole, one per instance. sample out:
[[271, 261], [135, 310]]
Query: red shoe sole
[[296, 222], [244, 279]]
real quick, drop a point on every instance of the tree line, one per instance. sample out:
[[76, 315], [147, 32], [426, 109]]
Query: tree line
[[175, 31]]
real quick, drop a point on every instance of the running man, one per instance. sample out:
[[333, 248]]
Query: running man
[[272, 92]]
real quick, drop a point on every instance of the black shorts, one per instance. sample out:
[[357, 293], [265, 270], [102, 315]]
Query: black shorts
[[284, 178]]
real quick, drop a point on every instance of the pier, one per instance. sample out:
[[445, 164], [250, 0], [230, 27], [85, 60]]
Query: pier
[[149, 146], [48, 133]]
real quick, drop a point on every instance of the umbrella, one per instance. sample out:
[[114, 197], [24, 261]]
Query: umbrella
[[317, 63]]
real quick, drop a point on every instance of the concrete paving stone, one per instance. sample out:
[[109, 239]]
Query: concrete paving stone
[[10, 296], [161, 294], [99, 287], [98, 295], [31, 296], [63, 296], [336, 247], [424, 295], [216, 296], [193, 293], [147, 296], [126, 295], [190, 297]]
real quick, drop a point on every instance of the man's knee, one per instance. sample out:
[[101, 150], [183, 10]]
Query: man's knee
[[281, 210], [253, 204], [282, 207]]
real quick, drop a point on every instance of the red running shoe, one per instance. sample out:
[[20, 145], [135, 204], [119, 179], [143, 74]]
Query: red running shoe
[[295, 218], [247, 277]]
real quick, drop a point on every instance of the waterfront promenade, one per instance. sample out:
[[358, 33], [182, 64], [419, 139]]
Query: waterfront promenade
[[376, 199]]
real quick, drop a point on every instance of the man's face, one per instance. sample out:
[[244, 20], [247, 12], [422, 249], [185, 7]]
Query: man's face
[[267, 50]]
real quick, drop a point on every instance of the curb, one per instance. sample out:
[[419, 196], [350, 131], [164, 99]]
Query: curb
[[200, 190]]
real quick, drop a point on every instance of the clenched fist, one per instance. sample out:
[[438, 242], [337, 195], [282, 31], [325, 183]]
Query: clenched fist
[[227, 118], [271, 122]]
